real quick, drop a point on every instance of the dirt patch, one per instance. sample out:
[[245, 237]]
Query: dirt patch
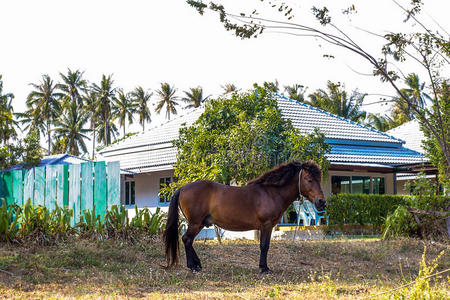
[[302, 269]]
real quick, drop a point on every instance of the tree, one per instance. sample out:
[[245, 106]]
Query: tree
[[295, 92], [141, 99], [89, 107], [237, 139], [32, 154], [73, 86], [194, 97], [104, 95], [401, 111], [123, 109], [43, 106], [335, 100], [71, 127], [8, 124], [423, 46], [168, 99], [382, 123], [229, 88]]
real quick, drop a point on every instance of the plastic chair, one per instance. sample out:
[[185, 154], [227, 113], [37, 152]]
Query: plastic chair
[[302, 214], [315, 214]]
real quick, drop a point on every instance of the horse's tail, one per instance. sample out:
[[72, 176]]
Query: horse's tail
[[171, 232]]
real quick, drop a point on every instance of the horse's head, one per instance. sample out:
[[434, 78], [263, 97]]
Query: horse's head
[[310, 177]]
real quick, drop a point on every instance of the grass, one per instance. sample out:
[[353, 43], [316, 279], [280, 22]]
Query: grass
[[339, 269]]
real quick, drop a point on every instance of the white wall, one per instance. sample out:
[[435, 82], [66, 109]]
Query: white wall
[[147, 188]]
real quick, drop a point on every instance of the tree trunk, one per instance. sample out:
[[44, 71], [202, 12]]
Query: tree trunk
[[93, 144], [48, 136]]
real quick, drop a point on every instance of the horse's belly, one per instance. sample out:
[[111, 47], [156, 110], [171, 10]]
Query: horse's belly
[[234, 224]]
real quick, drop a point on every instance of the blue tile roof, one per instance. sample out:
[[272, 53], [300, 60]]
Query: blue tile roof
[[306, 117]]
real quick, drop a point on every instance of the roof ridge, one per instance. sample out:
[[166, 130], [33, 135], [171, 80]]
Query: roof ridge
[[184, 114], [340, 118]]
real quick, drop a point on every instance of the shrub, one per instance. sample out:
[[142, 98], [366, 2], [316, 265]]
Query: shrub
[[362, 208], [8, 222]]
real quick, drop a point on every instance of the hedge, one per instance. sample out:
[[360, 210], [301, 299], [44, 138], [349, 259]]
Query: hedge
[[362, 208], [373, 208]]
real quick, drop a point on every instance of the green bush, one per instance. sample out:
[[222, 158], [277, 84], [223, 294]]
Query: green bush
[[402, 223], [362, 208], [39, 225]]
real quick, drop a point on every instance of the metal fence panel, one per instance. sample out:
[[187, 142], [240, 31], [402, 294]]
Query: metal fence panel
[[7, 188], [113, 173], [87, 186], [62, 185], [28, 185], [17, 187], [100, 200], [74, 192], [39, 186], [50, 187]]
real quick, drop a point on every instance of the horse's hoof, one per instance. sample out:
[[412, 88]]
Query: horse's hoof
[[196, 269], [266, 272]]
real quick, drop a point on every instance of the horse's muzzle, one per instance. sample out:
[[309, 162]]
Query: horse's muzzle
[[321, 204]]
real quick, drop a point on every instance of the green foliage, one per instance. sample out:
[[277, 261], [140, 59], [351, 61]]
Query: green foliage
[[32, 154], [362, 208], [422, 287], [8, 222], [401, 222], [237, 139]]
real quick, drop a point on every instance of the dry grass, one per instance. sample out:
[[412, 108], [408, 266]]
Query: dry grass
[[343, 269]]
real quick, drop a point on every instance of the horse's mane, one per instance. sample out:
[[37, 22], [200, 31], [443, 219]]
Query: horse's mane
[[282, 174]]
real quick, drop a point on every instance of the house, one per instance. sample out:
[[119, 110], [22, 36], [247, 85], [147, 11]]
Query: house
[[57, 159], [413, 136], [363, 160]]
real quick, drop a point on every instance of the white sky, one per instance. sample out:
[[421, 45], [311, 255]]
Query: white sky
[[143, 42]]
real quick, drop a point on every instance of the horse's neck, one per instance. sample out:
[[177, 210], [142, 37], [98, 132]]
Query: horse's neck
[[289, 192]]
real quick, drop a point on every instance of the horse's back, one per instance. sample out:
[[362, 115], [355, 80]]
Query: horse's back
[[230, 207]]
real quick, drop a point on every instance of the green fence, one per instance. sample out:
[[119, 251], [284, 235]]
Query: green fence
[[78, 186]]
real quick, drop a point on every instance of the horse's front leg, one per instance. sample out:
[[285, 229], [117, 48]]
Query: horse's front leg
[[264, 243]]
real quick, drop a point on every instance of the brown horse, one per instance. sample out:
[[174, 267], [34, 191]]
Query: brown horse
[[258, 205]]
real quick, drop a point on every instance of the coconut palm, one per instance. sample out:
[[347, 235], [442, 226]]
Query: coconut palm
[[402, 112], [8, 124], [123, 109], [228, 88], [167, 99], [194, 97], [141, 99], [43, 106], [71, 127], [336, 100], [295, 92], [382, 123], [73, 86], [89, 106], [104, 95]]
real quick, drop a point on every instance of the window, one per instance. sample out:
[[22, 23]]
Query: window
[[340, 184], [378, 185], [360, 185], [130, 193], [164, 181]]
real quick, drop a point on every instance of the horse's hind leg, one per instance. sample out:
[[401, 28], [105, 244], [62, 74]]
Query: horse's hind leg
[[193, 262]]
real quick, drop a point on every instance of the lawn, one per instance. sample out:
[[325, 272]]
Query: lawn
[[343, 269]]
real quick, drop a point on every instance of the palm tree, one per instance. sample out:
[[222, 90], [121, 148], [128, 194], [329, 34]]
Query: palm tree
[[335, 100], [382, 123], [73, 86], [194, 97], [71, 126], [168, 99], [296, 92], [43, 106], [89, 107], [104, 95], [228, 88], [8, 124], [141, 99], [402, 112], [123, 109]]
